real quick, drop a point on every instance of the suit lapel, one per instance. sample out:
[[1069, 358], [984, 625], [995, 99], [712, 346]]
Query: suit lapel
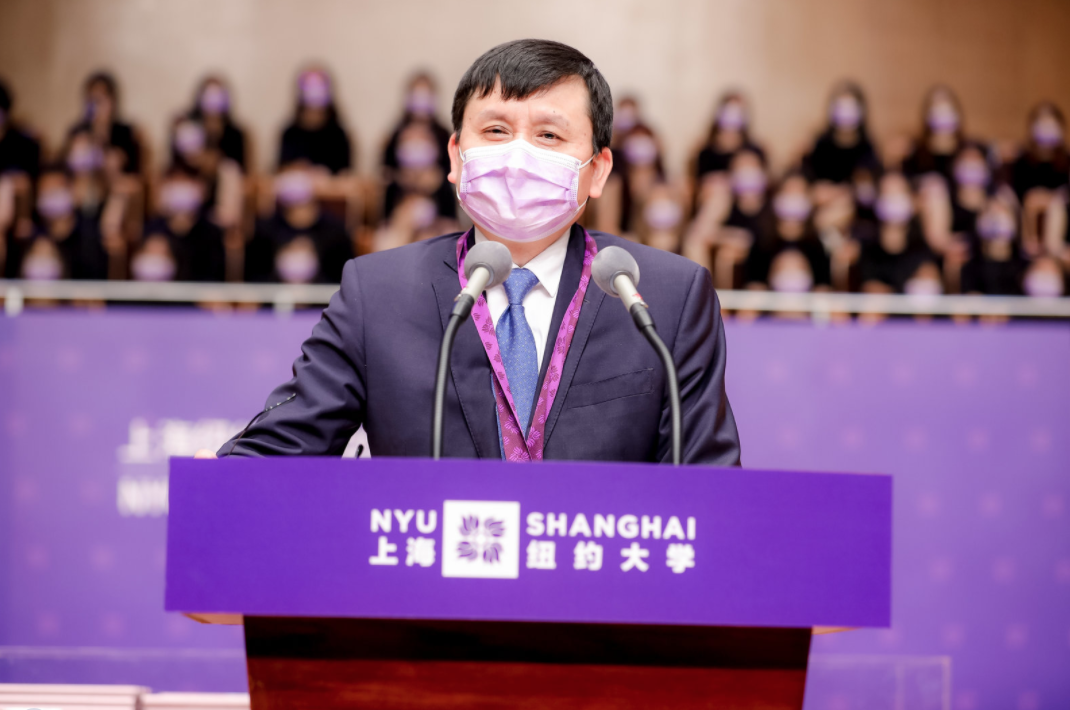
[[592, 301], [470, 370]]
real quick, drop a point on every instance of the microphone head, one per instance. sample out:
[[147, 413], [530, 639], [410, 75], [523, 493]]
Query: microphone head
[[494, 257], [610, 263]]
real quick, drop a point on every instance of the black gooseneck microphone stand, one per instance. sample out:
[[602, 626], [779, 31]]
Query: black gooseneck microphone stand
[[645, 323], [461, 310]]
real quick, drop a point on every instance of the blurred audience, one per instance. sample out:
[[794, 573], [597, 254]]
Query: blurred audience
[[941, 213]]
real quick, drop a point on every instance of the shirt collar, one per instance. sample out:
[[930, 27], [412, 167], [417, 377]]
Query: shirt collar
[[547, 265]]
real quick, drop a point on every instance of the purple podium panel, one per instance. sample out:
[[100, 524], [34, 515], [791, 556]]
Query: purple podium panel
[[554, 542]]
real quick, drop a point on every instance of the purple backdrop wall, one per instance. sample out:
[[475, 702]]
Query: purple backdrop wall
[[971, 420]]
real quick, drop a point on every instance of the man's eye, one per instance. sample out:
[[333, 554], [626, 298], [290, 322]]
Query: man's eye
[[549, 136]]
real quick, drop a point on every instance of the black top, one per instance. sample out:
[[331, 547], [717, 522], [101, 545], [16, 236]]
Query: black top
[[1028, 172], [835, 163], [19, 152], [199, 253], [998, 278], [328, 234], [712, 160], [327, 146], [921, 161], [876, 264], [122, 137], [231, 144], [763, 252]]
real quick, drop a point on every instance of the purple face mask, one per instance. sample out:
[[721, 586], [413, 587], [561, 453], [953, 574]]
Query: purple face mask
[[894, 208], [417, 154], [189, 138], [732, 117], [662, 214], [792, 208], [55, 203], [845, 113], [995, 226], [972, 173], [748, 181], [519, 192], [180, 197], [152, 267], [85, 158], [420, 102], [943, 118], [214, 99], [1047, 134], [315, 91], [1043, 284], [294, 188], [640, 150]]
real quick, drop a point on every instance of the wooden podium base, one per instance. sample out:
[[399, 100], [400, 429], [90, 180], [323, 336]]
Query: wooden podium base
[[319, 663]]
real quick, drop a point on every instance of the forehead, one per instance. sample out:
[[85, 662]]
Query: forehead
[[566, 102]]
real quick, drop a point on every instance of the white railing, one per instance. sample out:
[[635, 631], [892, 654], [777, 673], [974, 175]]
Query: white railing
[[284, 298]]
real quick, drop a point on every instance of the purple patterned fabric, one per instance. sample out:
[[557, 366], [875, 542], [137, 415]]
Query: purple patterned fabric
[[513, 444]]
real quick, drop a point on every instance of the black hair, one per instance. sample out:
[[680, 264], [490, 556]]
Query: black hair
[[5, 97], [105, 78], [526, 66]]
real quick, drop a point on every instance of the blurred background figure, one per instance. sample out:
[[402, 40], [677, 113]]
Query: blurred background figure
[[843, 148], [118, 141], [996, 266], [893, 249], [20, 159], [315, 133], [418, 202], [300, 242], [182, 233], [224, 138], [941, 136]]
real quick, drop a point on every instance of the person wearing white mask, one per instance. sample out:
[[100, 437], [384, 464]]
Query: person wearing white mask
[[548, 366]]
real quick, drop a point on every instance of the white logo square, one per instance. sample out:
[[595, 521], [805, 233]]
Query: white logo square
[[481, 538]]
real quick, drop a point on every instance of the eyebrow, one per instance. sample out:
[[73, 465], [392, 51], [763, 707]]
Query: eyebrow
[[493, 114]]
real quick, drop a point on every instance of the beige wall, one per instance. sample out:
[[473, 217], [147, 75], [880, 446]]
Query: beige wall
[[676, 54]]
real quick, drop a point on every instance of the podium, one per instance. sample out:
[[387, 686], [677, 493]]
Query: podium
[[389, 583]]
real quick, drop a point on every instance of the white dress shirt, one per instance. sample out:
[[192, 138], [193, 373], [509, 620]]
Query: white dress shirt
[[539, 303]]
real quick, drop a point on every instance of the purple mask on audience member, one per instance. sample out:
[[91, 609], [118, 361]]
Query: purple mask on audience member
[[748, 181], [894, 209], [417, 154], [792, 208], [180, 197], [865, 193], [315, 91], [189, 138], [995, 226], [624, 120], [1047, 134], [943, 118], [297, 265], [662, 214], [640, 150], [214, 100], [845, 113], [519, 192], [41, 267], [732, 117], [791, 281], [1043, 284], [55, 203], [923, 286], [420, 102], [972, 174], [423, 214], [153, 267], [85, 158], [294, 188]]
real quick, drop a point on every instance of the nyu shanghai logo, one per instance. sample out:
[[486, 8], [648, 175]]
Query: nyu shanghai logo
[[481, 539]]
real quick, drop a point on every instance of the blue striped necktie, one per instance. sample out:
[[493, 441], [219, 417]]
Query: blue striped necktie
[[517, 345]]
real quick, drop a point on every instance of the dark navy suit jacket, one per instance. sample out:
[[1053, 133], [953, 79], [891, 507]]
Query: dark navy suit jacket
[[371, 360]]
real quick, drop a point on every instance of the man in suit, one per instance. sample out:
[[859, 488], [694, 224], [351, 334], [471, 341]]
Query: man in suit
[[572, 377]]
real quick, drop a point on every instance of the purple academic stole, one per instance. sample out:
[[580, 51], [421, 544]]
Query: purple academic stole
[[514, 445]]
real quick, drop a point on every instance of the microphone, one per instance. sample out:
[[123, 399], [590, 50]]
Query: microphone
[[487, 265], [616, 273]]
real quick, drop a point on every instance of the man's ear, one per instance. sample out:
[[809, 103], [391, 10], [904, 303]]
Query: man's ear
[[455, 160], [603, 166]]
